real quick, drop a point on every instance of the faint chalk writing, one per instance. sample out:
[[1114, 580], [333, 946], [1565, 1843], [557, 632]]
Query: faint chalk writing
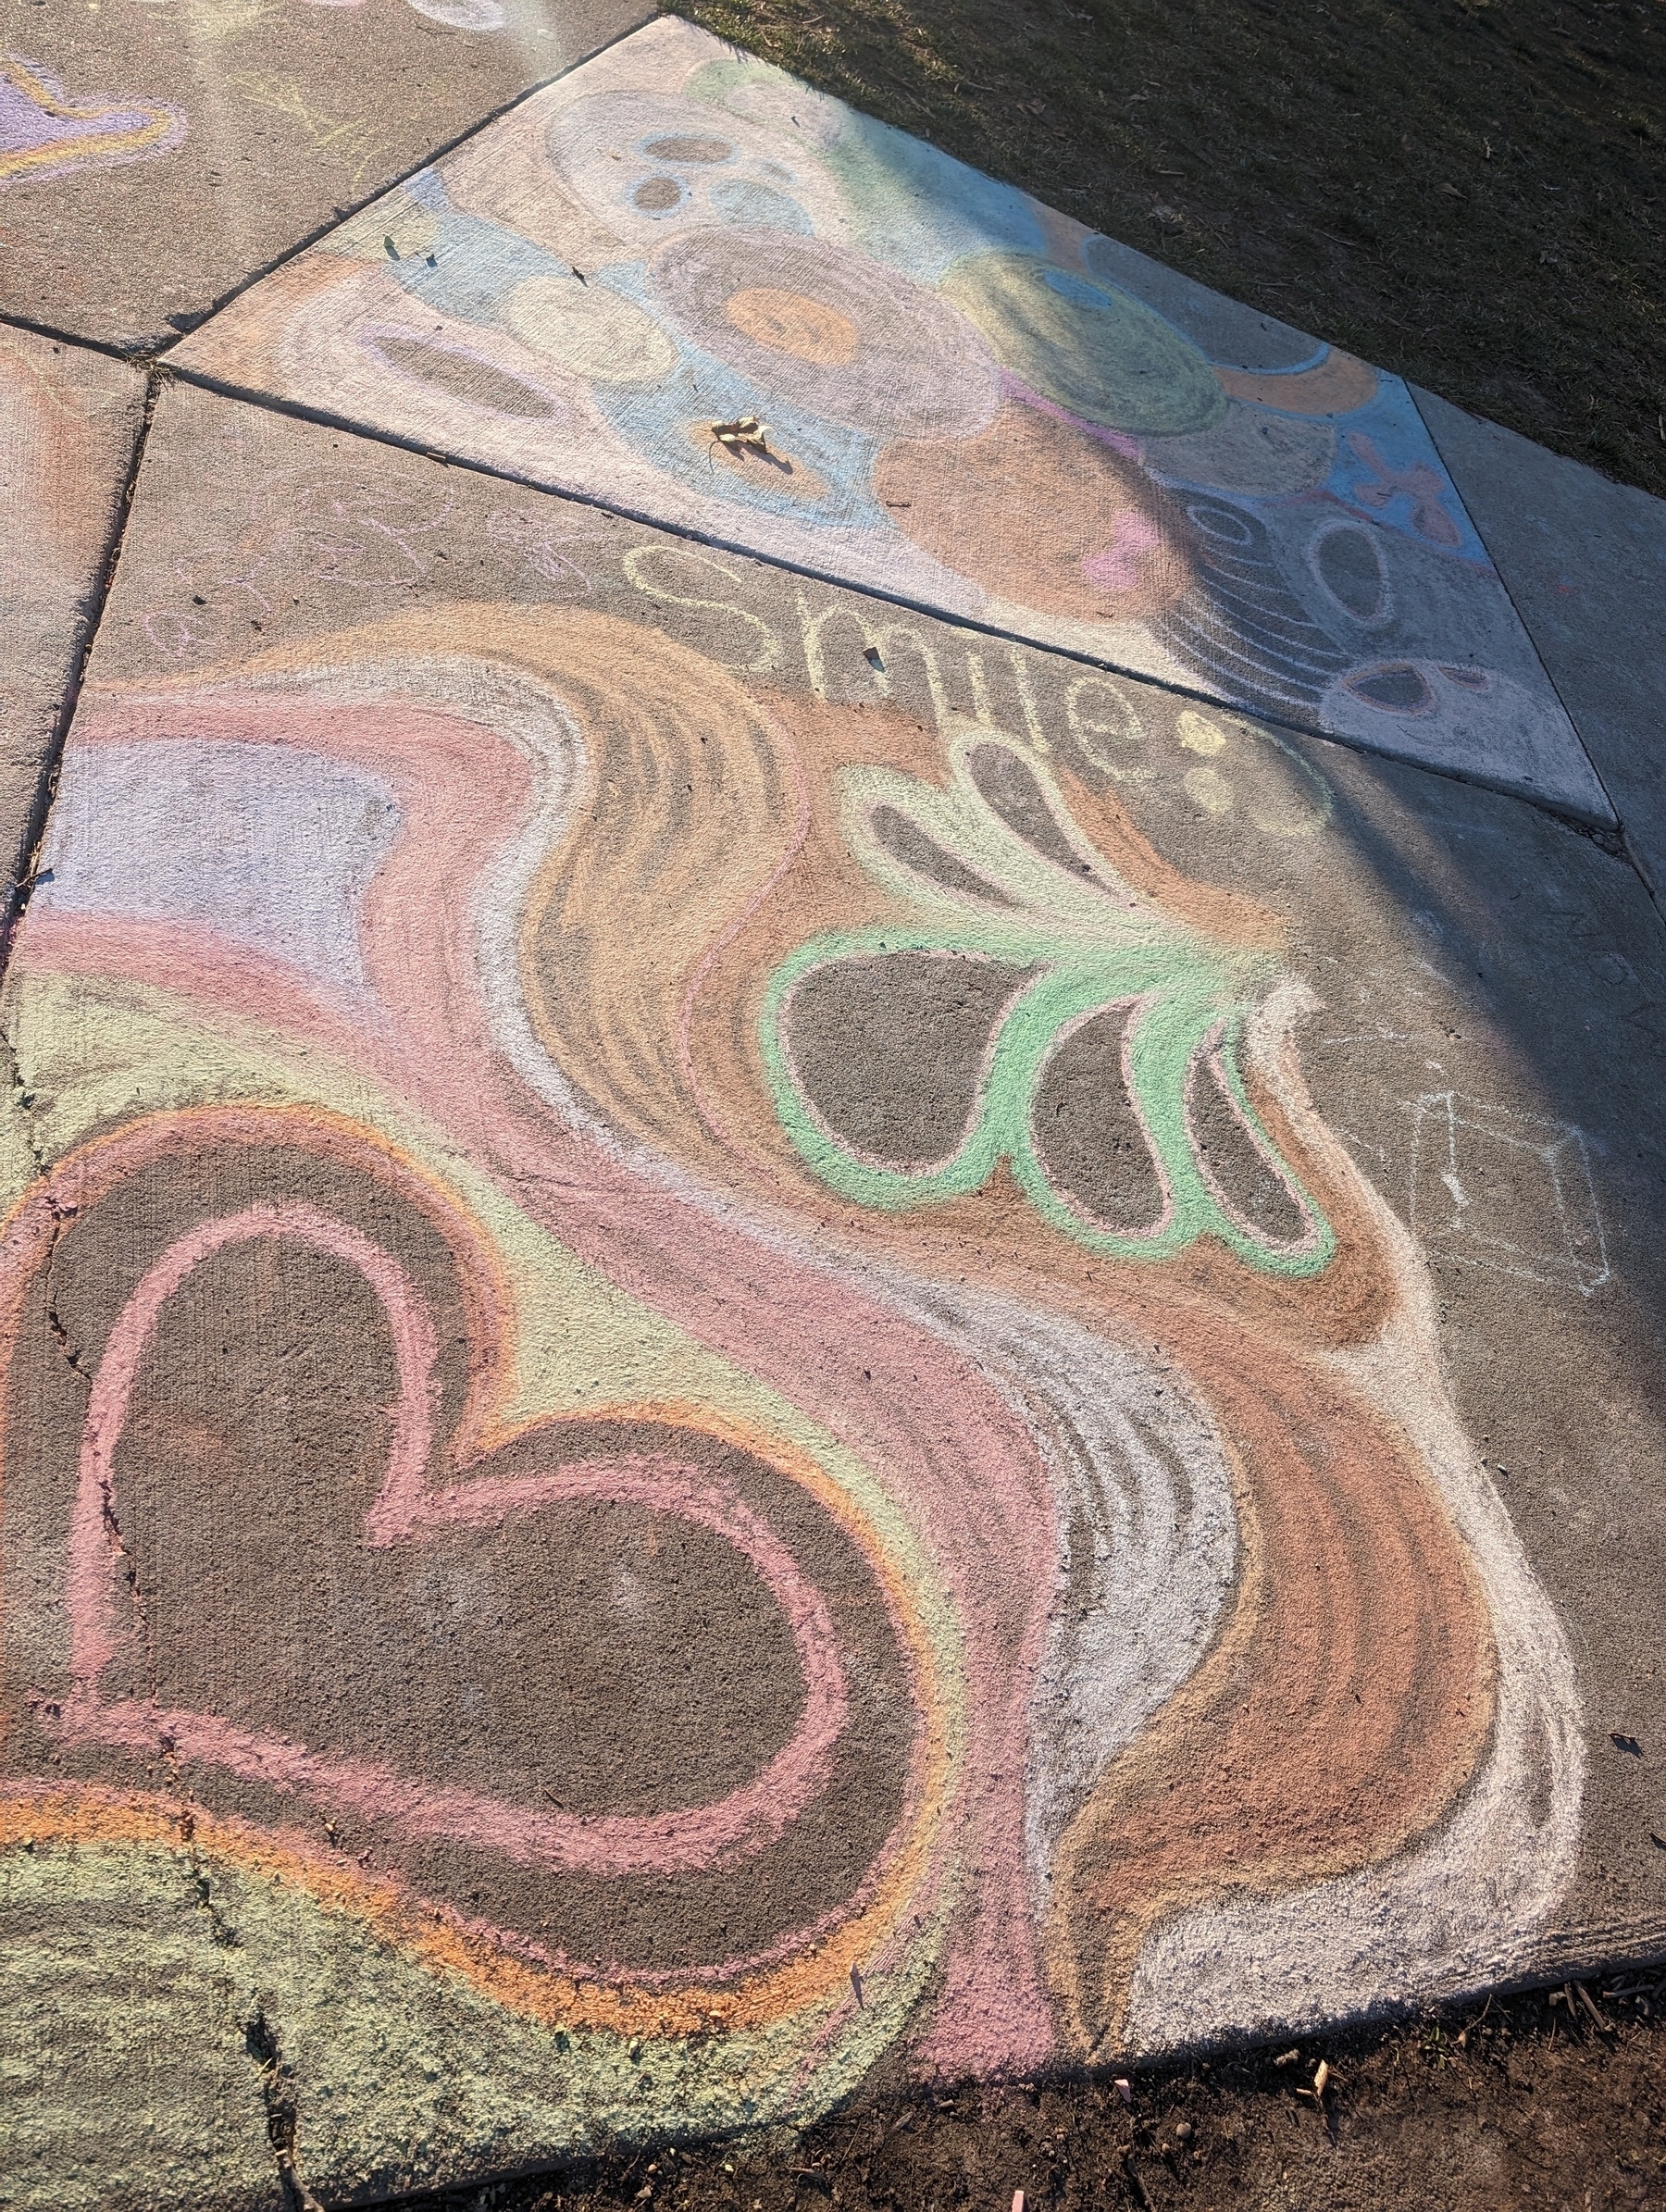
[[326, 527], [353, 140], [539, 543]]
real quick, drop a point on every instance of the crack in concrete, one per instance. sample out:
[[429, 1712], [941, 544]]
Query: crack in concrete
[[223, 1931], [1613, 842], [277, 2093], [22, 1097], [146, 354], [23, 1101], [282, 2110], [276, 2080], [69, 1350], [277, 2090]]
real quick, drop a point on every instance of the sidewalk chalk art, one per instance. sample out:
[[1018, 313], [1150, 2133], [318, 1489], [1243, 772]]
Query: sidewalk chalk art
[[693, 1398], [965, 400]]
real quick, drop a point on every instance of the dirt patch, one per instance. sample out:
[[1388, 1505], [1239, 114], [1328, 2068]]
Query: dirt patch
[[1555, 2099], [1468, 191]]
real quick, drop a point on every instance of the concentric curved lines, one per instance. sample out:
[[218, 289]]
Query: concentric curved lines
[[531, 716], [1446, 1916], [448, 382], [829, 330], [1171, 1658], [647, 167], [801, 1986], [1147, 1530], [1091, 944], [1241, 625], [404, 1511], [440, 366], [1460, 1908], [802, 2005], [941, 1468], [1147, 1550], [1097, 1588]]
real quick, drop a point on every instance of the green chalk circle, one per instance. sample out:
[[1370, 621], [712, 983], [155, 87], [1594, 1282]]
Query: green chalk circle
[[1100, 353]]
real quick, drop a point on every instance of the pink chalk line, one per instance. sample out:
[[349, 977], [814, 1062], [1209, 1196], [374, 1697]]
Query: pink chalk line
[[406, 1510]]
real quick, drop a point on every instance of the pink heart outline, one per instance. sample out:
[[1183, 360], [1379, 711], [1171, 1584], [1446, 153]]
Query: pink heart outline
[[405, 1509]]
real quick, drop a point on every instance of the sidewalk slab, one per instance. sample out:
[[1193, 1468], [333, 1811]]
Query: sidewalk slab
[[154, 159], [755, 1344], [967, 401], [1585, 562], [68, 421]]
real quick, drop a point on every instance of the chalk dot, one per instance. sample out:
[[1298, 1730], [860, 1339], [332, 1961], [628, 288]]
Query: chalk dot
[[1210, 789], [1199, 734], [793, 323]]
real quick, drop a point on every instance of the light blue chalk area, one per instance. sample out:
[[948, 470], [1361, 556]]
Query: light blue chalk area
[[1387, 469], [916, 209], [702, 390], [471, 265], [922, 210], [271, 846], [746, 205]]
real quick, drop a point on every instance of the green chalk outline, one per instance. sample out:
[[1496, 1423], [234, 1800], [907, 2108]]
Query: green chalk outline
[[1096, 945]]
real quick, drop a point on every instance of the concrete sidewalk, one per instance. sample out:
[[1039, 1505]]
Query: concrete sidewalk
[[831, 1248]]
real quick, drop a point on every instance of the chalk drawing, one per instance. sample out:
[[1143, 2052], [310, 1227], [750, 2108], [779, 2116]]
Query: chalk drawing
[[967, 400], [356, 141], [45, 131], [1511, 1192], [1006, 893], [814, 1449]]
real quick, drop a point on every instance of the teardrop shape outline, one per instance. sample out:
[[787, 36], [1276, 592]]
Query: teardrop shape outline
[[1214, 1056], [1133, 1007]]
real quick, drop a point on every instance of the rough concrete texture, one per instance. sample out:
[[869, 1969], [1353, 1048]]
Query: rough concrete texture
[[754, 1347], [1585, 562], [68, 419], [154, 157], [965, 400]]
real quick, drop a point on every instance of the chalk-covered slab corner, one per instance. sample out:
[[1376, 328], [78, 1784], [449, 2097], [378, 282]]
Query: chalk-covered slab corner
[[968, 401], [154, 158]]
